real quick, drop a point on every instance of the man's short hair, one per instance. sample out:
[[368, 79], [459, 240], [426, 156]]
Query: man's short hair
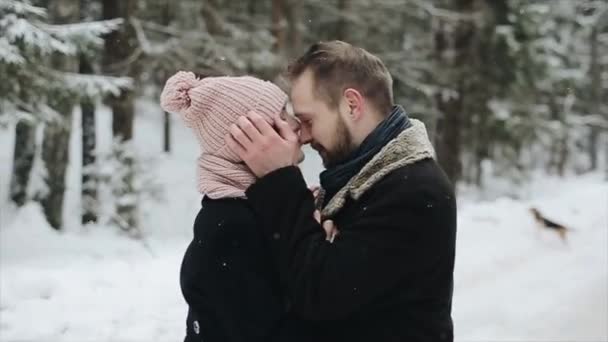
[[337, 65]]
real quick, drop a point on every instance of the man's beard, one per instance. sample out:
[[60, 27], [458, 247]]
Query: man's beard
[[342, 149]]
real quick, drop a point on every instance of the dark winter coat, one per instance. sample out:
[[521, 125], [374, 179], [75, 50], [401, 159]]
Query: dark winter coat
[[388, 275], [228, 277]]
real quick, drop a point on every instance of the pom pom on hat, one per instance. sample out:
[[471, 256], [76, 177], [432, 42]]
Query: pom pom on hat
[[175, 97]]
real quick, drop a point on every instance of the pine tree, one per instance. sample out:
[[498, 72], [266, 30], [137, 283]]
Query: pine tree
[[37, 82]]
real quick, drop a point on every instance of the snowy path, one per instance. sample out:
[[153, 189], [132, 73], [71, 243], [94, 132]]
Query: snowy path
[[517, 284], [511, 285]]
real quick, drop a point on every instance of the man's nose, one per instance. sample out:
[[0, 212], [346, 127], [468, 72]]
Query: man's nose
[[305, 136]]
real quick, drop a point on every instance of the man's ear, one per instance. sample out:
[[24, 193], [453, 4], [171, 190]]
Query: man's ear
[[355, 103]]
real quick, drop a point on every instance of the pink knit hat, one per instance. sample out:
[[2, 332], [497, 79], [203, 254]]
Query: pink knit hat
[[209, 106]]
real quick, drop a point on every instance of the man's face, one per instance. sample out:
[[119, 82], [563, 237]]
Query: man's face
[[322, 127]]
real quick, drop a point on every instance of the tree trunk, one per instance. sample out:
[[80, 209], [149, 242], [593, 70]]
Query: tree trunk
[[89, 183], [294, 37], [563, 151], [489, 81], [606, 161], [166, 20], [453, 55], [342, 26], [55, 154], [251, 10], [167, 131], [55, 146], [211, 17], [123, 112], [119, 46], [596, 100], [279, 27], [449, 136], [23, 159], [551, 166]]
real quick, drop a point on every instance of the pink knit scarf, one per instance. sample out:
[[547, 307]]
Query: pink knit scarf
[[220, 178]]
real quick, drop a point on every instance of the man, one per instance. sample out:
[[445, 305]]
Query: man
[[388, 274]]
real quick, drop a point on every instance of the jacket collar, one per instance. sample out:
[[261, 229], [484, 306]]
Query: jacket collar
[[411, 146]]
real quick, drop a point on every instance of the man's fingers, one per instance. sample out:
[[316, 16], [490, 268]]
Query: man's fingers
[[262, 125], [314, 188], [285, 130], [239, 136], [330, 229], [249, 129], [334, 233], [235, 146], [317, 216]]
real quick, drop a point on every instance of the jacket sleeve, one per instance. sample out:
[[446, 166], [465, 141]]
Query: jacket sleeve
[[324, 280]]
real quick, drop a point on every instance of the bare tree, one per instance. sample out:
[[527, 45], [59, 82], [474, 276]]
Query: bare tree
[[342, 24], [294, 36], [55, 146], [279, 26], [167, 17], [454, 39], [121, 52], [211, 17], [595, 104]]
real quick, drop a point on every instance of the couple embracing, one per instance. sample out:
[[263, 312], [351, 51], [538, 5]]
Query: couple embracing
[[368, 256]]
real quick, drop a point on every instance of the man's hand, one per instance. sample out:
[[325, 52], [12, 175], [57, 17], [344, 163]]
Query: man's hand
[[331, 231], [315, 190], [261, 147]]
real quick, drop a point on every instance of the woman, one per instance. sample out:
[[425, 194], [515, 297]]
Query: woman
[[227, 275]]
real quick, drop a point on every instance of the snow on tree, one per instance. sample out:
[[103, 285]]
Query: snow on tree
[[27, 42], [41, 87]]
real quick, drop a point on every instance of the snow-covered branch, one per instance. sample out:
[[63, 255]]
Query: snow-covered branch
[[87, 32], [443, 13], [149, 48], [19, 29], [9, 53], [94, 85], [23, 8]]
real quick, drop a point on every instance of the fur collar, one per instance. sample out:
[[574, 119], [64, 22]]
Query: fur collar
[[410, 146]]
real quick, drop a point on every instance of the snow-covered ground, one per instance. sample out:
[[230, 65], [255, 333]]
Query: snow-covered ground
[[512, 282]]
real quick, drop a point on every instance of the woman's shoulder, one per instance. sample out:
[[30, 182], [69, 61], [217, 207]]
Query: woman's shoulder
[[230, 211], [225, 221]]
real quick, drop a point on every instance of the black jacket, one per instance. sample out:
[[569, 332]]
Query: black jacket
[[388, 275], [228, 278]]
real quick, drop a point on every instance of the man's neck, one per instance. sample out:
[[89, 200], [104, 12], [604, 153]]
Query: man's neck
[[366, 129]]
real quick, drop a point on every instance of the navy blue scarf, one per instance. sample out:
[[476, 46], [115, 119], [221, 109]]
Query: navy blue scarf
[[335, 178]]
